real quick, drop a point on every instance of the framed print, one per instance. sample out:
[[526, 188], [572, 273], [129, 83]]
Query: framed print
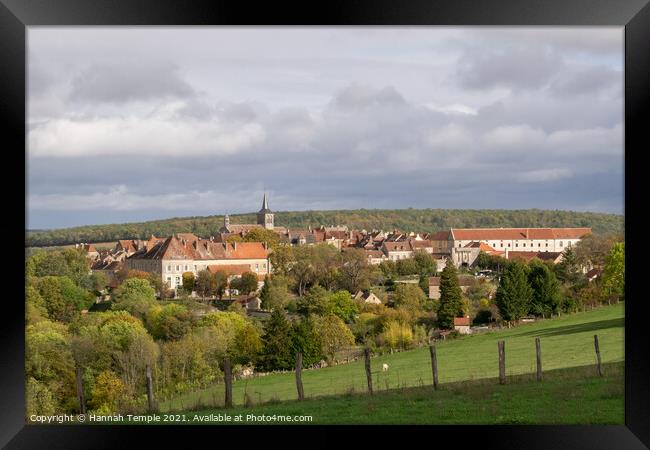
[[349, 217]]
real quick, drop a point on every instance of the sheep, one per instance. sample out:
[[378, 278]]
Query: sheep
[[384, 368]]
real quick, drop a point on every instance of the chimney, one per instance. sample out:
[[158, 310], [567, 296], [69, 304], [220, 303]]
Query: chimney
[[234, 246]]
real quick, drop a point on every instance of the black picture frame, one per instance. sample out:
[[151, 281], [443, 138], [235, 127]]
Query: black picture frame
[[634, 15]]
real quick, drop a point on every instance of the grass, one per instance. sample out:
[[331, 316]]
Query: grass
[[564, 397], [567, 342]]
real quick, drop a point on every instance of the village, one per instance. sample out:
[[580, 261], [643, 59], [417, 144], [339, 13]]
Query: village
[[172, 259]]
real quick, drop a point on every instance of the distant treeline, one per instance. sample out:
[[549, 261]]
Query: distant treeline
[[422, 220]]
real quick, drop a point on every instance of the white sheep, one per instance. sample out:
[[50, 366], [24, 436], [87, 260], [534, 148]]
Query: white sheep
[[384, 368]]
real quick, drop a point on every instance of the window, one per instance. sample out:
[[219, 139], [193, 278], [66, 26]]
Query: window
[[263, 265], [194, 267], [178, 280], [561, 244], [178, 268], [185, 268], [539, 244], [524, 244], [169, 279], [169, 269], [547, 244], [516, 245], [508, 245]]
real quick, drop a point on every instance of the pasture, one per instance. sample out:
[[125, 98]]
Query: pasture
[[566, 342]]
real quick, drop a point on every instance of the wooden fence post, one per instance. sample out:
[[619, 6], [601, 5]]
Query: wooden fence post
[[227, 375], [502, 362], [150, 399], [366, 354], [600, 369], [538, 350], [434, 365], [80, 391], [301, 392]]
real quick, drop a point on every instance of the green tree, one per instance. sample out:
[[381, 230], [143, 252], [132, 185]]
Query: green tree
[[409, 296], [568, 270], [263, 235], [451, 297], [277, 347], [305, 340], [188, 282], [275, 293], [388, 268], [425, 263], [63, 299], [326, 261], [407, 267], [334, 334], [281, 259], [340, 304], [170, 322], [514, 294], [614, 273], [316, 301], [135, 295], [247, 283], [218, 283], [546, 296], [204, 283]]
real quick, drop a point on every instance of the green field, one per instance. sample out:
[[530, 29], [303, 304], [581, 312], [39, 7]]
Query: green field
[[565, 396], [566, 342]]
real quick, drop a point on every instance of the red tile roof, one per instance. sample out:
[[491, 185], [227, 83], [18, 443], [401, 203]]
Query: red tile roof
[[478, 234], [461, 321], [230, 269]]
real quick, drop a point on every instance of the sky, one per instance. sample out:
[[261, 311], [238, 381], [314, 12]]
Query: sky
[[128, 124]]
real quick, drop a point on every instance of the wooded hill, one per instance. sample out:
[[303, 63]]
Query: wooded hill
[[421, 220]]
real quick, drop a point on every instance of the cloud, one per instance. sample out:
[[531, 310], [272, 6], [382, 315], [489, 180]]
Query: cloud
[[359, 96], [543, 175], [513, 67], [129, 82], [514, 137], [588, 80]]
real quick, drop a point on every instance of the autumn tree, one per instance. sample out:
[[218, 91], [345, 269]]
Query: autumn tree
[[354, 271], [614, 273]]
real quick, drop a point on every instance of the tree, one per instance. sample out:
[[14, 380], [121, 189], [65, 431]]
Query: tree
[[546, 295], [188, 282], [135, 295], [281, 259], [204, 283], [397, 335], [276, 343], [247, 283], [514, 294], [305, 340], [263, 235], [354, 272], [334, 334], [409, 296], [107, 392], [302, 270], [388, 268], [340, 304], [407, 267], [614, 273], [326, 261], [71, 263], [170, 322], [425, 263], [451, 297], [63, 299], [567, 270], [218, 283], [275, 293], [314, 302]]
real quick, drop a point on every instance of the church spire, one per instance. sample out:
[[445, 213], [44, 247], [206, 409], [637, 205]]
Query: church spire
[[265, 203]]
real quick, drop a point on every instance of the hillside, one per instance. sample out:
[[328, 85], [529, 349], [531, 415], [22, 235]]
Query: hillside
[[567, 342], [424, 220]]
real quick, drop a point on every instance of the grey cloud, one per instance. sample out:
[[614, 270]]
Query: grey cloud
[[516, 67], [587, 81], [128, 82], [359, 96]]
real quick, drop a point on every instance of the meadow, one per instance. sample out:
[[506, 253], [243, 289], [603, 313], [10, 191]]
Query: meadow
[[567, 342]]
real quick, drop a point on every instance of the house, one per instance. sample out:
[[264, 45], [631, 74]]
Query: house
[[368, 297], [465, 281], [175, 255], [594, 274], [89, 249], [519, 239], [461, 324], [375, 257]]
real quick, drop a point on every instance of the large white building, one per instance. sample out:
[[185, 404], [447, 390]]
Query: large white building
[[463, 241], [177, 254]]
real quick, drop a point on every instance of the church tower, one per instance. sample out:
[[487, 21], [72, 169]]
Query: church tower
[[265, 216]]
